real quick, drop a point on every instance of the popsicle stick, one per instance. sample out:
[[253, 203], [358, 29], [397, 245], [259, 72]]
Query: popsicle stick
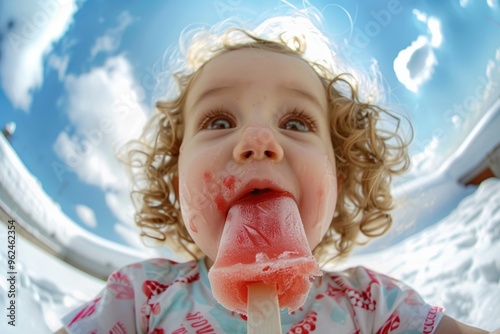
[[263, 313]]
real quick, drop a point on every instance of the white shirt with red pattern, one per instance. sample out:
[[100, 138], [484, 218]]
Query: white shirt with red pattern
[[160, 296]]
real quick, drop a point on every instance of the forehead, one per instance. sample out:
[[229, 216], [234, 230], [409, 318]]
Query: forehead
[[250, 66]]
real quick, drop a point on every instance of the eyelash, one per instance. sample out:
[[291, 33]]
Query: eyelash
[[298, 114], [301, 114], [213, 114]]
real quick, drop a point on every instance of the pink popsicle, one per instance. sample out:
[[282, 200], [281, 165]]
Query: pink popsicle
[[263, 241]]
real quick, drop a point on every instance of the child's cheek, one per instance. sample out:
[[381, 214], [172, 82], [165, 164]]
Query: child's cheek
[[328, 195], [220, 187], [193, 203], [204, 196], [322, 200]]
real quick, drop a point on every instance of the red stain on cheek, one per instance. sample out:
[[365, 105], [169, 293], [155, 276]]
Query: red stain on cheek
[[207, 176], [215, 189], [193, 227], [220, 202], [229, 182], [321, 192]]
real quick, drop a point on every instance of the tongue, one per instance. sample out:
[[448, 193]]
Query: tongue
[[263, 241]]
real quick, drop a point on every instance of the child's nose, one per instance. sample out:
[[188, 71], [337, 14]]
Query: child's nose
[[258, 143]]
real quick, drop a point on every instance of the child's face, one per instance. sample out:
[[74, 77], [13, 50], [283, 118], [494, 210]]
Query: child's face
[[255, 119]]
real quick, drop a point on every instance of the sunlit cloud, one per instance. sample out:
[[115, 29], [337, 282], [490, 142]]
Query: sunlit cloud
[[30, 29], [130, 235], [492, 3], [111, 40], [434, 26], [121, 206], [415, 64], [105, 110], [93, 165], [60, 64], [86, 215], [421, 16], [105, 104]]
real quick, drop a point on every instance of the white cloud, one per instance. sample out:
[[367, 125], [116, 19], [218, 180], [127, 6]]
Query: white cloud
[[35, 27], [86, 215], [105, 110], [104, 43], [105, 104], [91, 163], [59, 64], [111, 40], [492, 3], [434, 26], [130, 235], [421, 16], [415, 64], [121, 206]]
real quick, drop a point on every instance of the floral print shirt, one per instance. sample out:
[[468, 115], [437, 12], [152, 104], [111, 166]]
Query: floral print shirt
[[160, 296]]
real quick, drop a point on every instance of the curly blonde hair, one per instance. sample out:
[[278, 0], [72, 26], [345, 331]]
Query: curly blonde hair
[[368, 155]]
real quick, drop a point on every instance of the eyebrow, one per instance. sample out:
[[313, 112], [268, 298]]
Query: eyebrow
[[211, 91], [303, 93], [298, 91]]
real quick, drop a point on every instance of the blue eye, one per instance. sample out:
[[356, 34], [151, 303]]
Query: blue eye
[[219, 124], [299, 120], [217, 119], [296, 125]]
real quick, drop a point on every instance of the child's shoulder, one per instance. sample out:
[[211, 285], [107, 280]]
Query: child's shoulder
[[361, 278], [379, 302], [358, 273]]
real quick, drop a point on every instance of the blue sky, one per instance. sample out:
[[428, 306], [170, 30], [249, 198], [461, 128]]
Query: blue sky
[[78, 79]]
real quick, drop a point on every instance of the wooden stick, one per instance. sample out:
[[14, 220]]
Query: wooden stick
[[263, 313]]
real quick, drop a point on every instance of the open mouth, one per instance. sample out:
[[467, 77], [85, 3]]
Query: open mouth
[[257, 195], [257, 191]]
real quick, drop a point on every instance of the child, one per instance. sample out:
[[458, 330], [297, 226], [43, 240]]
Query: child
[[255, 113]]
